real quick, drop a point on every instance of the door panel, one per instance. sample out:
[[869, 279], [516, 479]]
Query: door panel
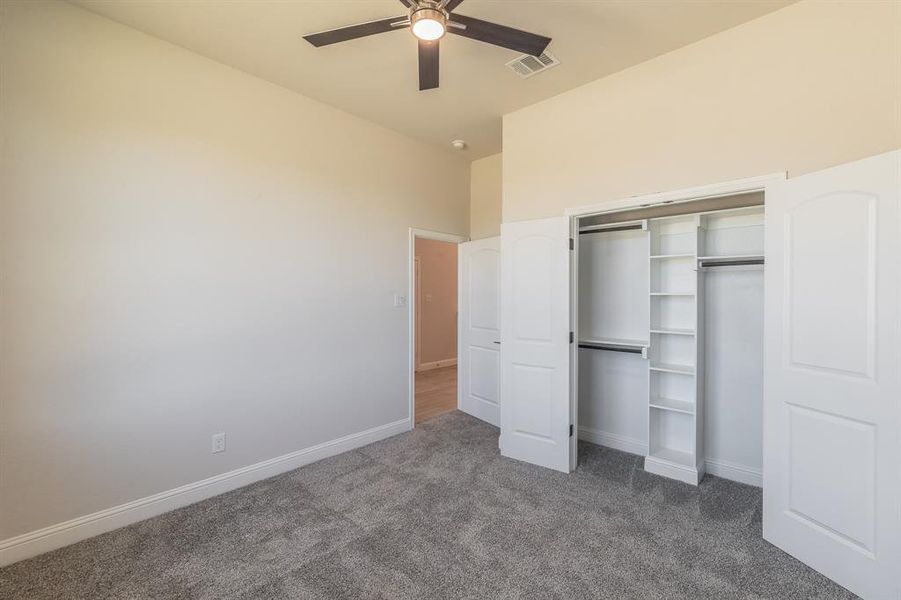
[[842, 505], [833, 373], [479, 363], [535, 350], [849, 308]]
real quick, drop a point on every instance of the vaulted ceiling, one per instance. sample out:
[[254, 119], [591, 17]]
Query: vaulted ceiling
[[377, 78]]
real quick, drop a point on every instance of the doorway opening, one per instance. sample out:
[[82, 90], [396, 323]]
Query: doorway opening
[[433, 308]]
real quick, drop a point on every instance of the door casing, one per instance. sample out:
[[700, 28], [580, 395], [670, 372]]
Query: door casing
[[411, 307]]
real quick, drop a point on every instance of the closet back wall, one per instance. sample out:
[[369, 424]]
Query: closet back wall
[[184, 251]]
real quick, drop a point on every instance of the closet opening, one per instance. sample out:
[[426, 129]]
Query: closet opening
[[668, 312]]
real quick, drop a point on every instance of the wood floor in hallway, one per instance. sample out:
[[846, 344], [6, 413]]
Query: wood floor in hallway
[[436, 392]]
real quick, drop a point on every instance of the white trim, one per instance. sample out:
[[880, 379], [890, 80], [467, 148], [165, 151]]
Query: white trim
[[439, 236], [714, 190], [411, 312], [417, 297], [739, 473], [81, 528], [613, 440], [666, 468], [438, 364], [460, 335], [718, 468]]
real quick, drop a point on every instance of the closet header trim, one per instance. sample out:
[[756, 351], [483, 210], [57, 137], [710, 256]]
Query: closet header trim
[[673, 209]]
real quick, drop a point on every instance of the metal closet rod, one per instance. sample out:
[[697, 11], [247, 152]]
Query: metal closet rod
[[609, 229], [611, 348], [731, 263]]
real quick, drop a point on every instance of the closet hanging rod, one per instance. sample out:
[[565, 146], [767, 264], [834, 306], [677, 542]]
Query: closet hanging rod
[[611, 348], [603, 229], [741, 262]]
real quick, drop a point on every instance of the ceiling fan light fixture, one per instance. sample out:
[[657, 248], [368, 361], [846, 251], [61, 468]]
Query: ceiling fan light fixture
[[431, 20], [428, 24]]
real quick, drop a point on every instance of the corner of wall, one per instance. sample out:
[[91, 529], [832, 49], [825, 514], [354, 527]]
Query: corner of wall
[[485, 196]]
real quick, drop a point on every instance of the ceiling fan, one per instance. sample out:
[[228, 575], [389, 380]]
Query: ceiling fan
[[429, 20]]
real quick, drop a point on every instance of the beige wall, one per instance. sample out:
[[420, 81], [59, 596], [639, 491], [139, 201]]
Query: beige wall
[[438, 300], [485, 197], [184, 251], [812, 85]]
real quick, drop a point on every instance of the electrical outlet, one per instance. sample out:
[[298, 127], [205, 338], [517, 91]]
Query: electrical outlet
[[218, 442], [400, 300]]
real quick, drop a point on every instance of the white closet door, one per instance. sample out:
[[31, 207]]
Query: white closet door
[[832, 472], [535, 346], [479, 369]]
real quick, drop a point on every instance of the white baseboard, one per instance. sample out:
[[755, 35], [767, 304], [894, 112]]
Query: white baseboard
[[447, 362], [613, 440], [671, 470], [719, 468], [62, 534], [739, 473]]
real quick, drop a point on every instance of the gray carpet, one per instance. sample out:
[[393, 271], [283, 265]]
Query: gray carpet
[[437, 513]]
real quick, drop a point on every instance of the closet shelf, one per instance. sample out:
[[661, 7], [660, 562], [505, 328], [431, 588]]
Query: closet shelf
[[672, 331], [615, 342], [732, 257], [611, 227], [669, 256], [679, 406], [670, 368]]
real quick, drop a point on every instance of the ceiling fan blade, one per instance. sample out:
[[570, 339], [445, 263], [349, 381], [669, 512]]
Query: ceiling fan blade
[[351, 32], [408, 3], [452, 4], [428, 65], [500, 35]]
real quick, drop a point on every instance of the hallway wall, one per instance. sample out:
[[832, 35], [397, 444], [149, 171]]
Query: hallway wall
[[438, 320]]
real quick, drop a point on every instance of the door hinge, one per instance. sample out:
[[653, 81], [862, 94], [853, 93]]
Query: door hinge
[[572, 337], [572, 244], [570, 430]]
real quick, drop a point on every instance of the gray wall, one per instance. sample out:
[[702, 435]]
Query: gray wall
[[184, 250]]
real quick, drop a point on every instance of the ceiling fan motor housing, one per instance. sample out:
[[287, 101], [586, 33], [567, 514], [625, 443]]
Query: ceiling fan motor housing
[[426, 10]]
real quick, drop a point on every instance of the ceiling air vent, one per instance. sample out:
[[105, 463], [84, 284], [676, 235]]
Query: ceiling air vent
[[527, 65]]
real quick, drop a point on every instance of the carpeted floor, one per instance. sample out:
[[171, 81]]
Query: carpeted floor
[[437, 513]]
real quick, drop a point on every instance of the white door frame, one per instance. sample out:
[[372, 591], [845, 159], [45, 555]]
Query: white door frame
[[704, 192], [417, 298], [425, 234]]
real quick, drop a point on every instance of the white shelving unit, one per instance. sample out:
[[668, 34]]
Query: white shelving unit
[[645, 377], [675, 435]]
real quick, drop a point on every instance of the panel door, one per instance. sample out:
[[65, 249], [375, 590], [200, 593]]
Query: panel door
[[535, 343], [833, 373], [479, 369]]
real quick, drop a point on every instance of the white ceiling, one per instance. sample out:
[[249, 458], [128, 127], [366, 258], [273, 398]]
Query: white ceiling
[[376, 77]]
